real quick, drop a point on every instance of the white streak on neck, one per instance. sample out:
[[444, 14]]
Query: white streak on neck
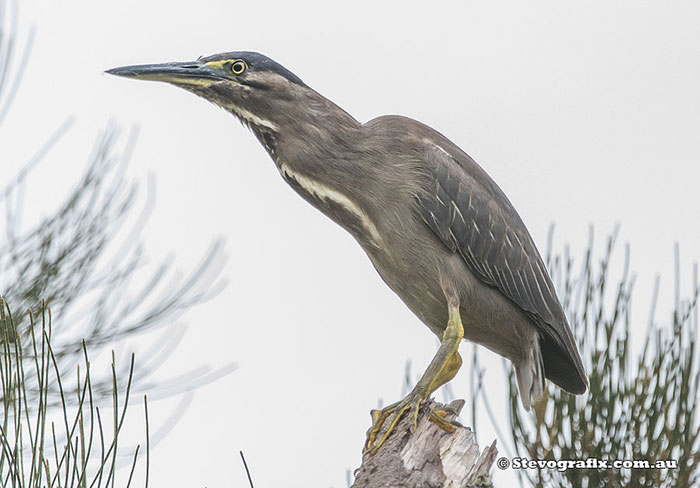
[[251, 118], [324, 192]]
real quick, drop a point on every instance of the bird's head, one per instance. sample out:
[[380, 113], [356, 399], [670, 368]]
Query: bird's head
[[259, 91]]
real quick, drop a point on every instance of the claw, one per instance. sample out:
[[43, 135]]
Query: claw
[[396, 411], [415, 408], [438, 418]]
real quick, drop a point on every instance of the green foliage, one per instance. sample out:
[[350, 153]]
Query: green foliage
[[84, 258], [638, 407], [73, 449]]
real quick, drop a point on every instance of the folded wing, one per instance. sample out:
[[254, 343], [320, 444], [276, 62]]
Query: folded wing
[[474, 218]]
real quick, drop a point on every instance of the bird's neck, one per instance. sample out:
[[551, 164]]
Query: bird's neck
[[316, 154], [314, 142]]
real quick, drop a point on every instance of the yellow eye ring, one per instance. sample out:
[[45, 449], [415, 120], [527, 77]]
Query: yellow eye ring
[[238, 67]]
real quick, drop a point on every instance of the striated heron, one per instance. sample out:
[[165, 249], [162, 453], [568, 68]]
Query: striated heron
[[436, 227]]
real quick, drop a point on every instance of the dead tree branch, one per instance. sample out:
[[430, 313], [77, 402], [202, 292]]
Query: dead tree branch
[[429, 457]]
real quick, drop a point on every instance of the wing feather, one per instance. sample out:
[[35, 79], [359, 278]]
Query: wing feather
[[473, 217]]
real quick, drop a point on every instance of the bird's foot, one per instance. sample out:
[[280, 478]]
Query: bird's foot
[[394, 413], [441, 369]]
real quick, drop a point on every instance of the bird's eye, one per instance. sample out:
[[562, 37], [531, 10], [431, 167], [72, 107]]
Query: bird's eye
[[238, 67]]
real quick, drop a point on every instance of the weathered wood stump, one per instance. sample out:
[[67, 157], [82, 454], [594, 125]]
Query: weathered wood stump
[[430, 457]]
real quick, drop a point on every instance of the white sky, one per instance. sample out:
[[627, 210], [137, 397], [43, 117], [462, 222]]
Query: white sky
[[583, 112]]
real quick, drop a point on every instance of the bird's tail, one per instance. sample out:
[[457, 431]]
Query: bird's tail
[[530, 375]]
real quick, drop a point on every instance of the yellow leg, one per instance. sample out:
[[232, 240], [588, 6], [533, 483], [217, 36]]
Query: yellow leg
[[441, 369]]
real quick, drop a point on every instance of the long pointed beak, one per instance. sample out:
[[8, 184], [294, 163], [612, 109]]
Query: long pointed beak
[[190, 73]]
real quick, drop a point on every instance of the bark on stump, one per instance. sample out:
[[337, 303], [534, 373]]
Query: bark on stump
[[430, 457]]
